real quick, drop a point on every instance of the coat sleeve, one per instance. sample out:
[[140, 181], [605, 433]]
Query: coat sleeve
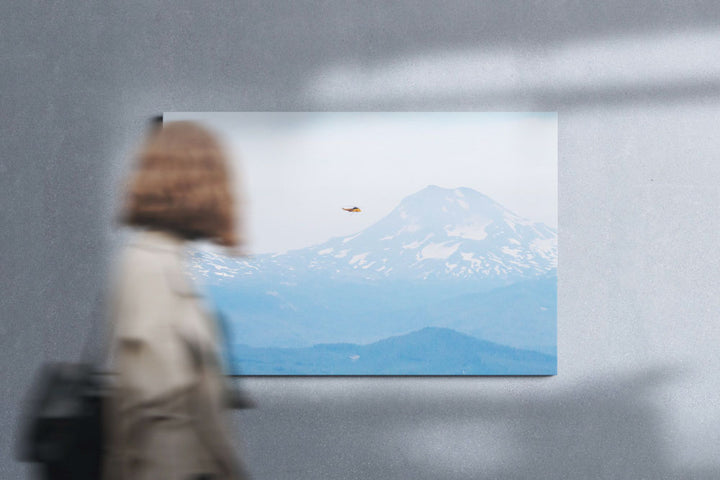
[[212, 425], [209, 400]]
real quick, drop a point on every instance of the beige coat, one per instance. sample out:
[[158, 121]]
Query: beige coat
[[165, 417]]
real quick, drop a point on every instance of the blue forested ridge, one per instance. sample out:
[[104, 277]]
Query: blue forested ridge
[[429, 351]]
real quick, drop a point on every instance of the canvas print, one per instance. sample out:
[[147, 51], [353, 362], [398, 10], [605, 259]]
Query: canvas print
[[389, 243]]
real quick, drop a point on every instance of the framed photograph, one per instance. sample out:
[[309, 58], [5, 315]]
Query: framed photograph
[[389, 243]]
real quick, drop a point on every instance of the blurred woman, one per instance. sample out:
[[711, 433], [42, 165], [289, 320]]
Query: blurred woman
[[166, 414]]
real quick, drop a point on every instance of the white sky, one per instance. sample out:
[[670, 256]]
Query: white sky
[[297, 170]]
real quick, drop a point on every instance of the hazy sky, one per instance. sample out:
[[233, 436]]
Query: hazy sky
[[297, 170]]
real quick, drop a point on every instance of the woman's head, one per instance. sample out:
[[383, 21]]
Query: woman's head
[[182, 184]]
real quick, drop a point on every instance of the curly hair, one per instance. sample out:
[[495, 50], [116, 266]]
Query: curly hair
[[181, 183]]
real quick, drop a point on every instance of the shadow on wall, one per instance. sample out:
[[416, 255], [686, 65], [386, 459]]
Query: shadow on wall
[[613, 429], [578, 72], [480, 56], [610, 430]]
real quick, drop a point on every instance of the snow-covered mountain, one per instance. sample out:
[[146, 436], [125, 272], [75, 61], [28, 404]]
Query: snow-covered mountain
[[434, 234]]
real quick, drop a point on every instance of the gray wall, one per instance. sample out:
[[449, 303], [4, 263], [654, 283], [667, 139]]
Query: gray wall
[[637, 88]]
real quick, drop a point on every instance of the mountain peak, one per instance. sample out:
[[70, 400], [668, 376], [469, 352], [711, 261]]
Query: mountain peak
[[441, 196], [434, 209]]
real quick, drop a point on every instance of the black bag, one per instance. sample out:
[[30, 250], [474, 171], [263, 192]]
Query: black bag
[[61, 429]]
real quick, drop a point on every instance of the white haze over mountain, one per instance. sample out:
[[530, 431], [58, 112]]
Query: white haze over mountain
[[299, 168]]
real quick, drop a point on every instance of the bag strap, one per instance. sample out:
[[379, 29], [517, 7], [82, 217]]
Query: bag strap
[[94, 351]]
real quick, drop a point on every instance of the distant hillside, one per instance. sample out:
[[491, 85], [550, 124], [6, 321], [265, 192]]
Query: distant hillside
[[429, 351], [522, 315]]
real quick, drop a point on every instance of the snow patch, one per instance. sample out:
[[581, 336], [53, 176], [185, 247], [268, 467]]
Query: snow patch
[[416, 243], [408, 228], [544, 246], [514, 252], [463, 204], [325, 251], [469, 257], [347, 239], [458, 193], [272, 293], [341, 254], [470, 232], [438, 250], [359, 258], [513, 220], [389, 237]]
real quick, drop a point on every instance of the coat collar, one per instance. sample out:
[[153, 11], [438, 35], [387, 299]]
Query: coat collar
[[159, 240], [176, 274]]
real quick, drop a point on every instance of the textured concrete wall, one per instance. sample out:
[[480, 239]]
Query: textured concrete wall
[[637, 88]]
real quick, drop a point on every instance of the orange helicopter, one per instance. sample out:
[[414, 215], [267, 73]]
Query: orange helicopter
[[353, 209]]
